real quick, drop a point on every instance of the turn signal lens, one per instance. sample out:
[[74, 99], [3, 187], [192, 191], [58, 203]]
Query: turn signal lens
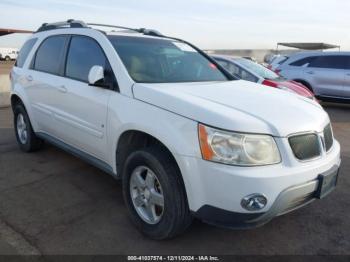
[[207, 152]]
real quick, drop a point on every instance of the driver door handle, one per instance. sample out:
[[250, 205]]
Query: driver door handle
[[29, 78], [310, 72], [62, 89]]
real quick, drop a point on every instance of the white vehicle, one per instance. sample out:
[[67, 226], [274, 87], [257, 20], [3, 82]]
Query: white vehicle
[[185, 138], [8, 54]]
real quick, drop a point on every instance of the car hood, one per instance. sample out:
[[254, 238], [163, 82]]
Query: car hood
[[237, 105]]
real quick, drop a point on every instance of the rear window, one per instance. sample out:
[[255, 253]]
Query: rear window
[[24, 52], [50, 54], [151, 60], [258, 69]]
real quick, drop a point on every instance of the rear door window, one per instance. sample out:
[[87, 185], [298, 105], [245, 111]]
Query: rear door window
[[23, 54], [330, 62], [50, 54]]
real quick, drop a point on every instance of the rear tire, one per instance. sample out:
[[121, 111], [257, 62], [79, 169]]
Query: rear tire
[[26, 138], [172, 216], [7, 58]]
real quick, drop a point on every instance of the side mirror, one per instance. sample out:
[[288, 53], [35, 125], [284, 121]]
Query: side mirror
[[96, 75]]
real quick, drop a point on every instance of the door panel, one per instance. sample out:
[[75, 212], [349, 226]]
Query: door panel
[[43, 80], [346, 89], [41, 92], [81, 115], [327, 74], [81, 109], [325, 82]]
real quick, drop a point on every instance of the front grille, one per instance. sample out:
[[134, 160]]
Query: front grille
[[328, 137], [305, 146]]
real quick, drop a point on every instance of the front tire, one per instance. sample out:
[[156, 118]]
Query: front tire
[[26, 138], [7, 58], [154, 193]]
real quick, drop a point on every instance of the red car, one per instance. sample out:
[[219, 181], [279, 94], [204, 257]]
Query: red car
[[254, 72]]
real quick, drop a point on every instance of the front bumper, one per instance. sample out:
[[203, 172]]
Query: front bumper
[[288, 200], [215, 191]]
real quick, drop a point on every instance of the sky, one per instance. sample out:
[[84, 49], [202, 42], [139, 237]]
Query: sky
[[209, 24]]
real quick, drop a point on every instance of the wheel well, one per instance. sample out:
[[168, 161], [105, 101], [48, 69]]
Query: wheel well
[[133, 140], [304, 83], [15, 100]]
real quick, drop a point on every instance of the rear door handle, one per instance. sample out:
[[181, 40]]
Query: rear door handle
[[310, 72], [62, 89], [29, 78]]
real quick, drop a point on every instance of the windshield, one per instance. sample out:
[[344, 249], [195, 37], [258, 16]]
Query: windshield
[[152, 60], [258, 69]]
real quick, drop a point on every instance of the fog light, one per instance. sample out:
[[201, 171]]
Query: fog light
[[254, 202]]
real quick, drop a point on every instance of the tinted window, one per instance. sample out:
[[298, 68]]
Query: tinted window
[[230, 67], [153, 60], [83, 54], [245, 75], [303, 62], [49, 55], [237, 70], [258, 69], [23, 54], [333, 62]]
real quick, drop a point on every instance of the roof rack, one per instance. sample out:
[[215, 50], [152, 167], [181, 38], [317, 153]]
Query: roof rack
[[71, 23], [144, 31]]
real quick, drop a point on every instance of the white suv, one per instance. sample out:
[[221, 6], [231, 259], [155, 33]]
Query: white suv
[[185, 138]]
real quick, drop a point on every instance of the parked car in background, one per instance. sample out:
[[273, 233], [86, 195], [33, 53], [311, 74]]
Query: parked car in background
[[268, 58], [276, 61], [327, 74], [254, 72], [253, 59], [8, 54]]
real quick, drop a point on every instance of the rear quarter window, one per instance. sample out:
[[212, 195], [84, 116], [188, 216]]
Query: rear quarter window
[[24, 52]]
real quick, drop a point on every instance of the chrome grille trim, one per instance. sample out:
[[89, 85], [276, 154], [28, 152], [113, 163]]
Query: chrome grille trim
[[328, 137]]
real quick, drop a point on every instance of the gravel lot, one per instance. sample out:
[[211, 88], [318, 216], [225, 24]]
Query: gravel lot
[[53, 203]]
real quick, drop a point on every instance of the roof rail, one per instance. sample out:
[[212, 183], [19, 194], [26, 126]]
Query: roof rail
[[71, 23], [144, 31]]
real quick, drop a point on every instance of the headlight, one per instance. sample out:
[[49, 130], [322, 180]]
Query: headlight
[[237, 148]]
